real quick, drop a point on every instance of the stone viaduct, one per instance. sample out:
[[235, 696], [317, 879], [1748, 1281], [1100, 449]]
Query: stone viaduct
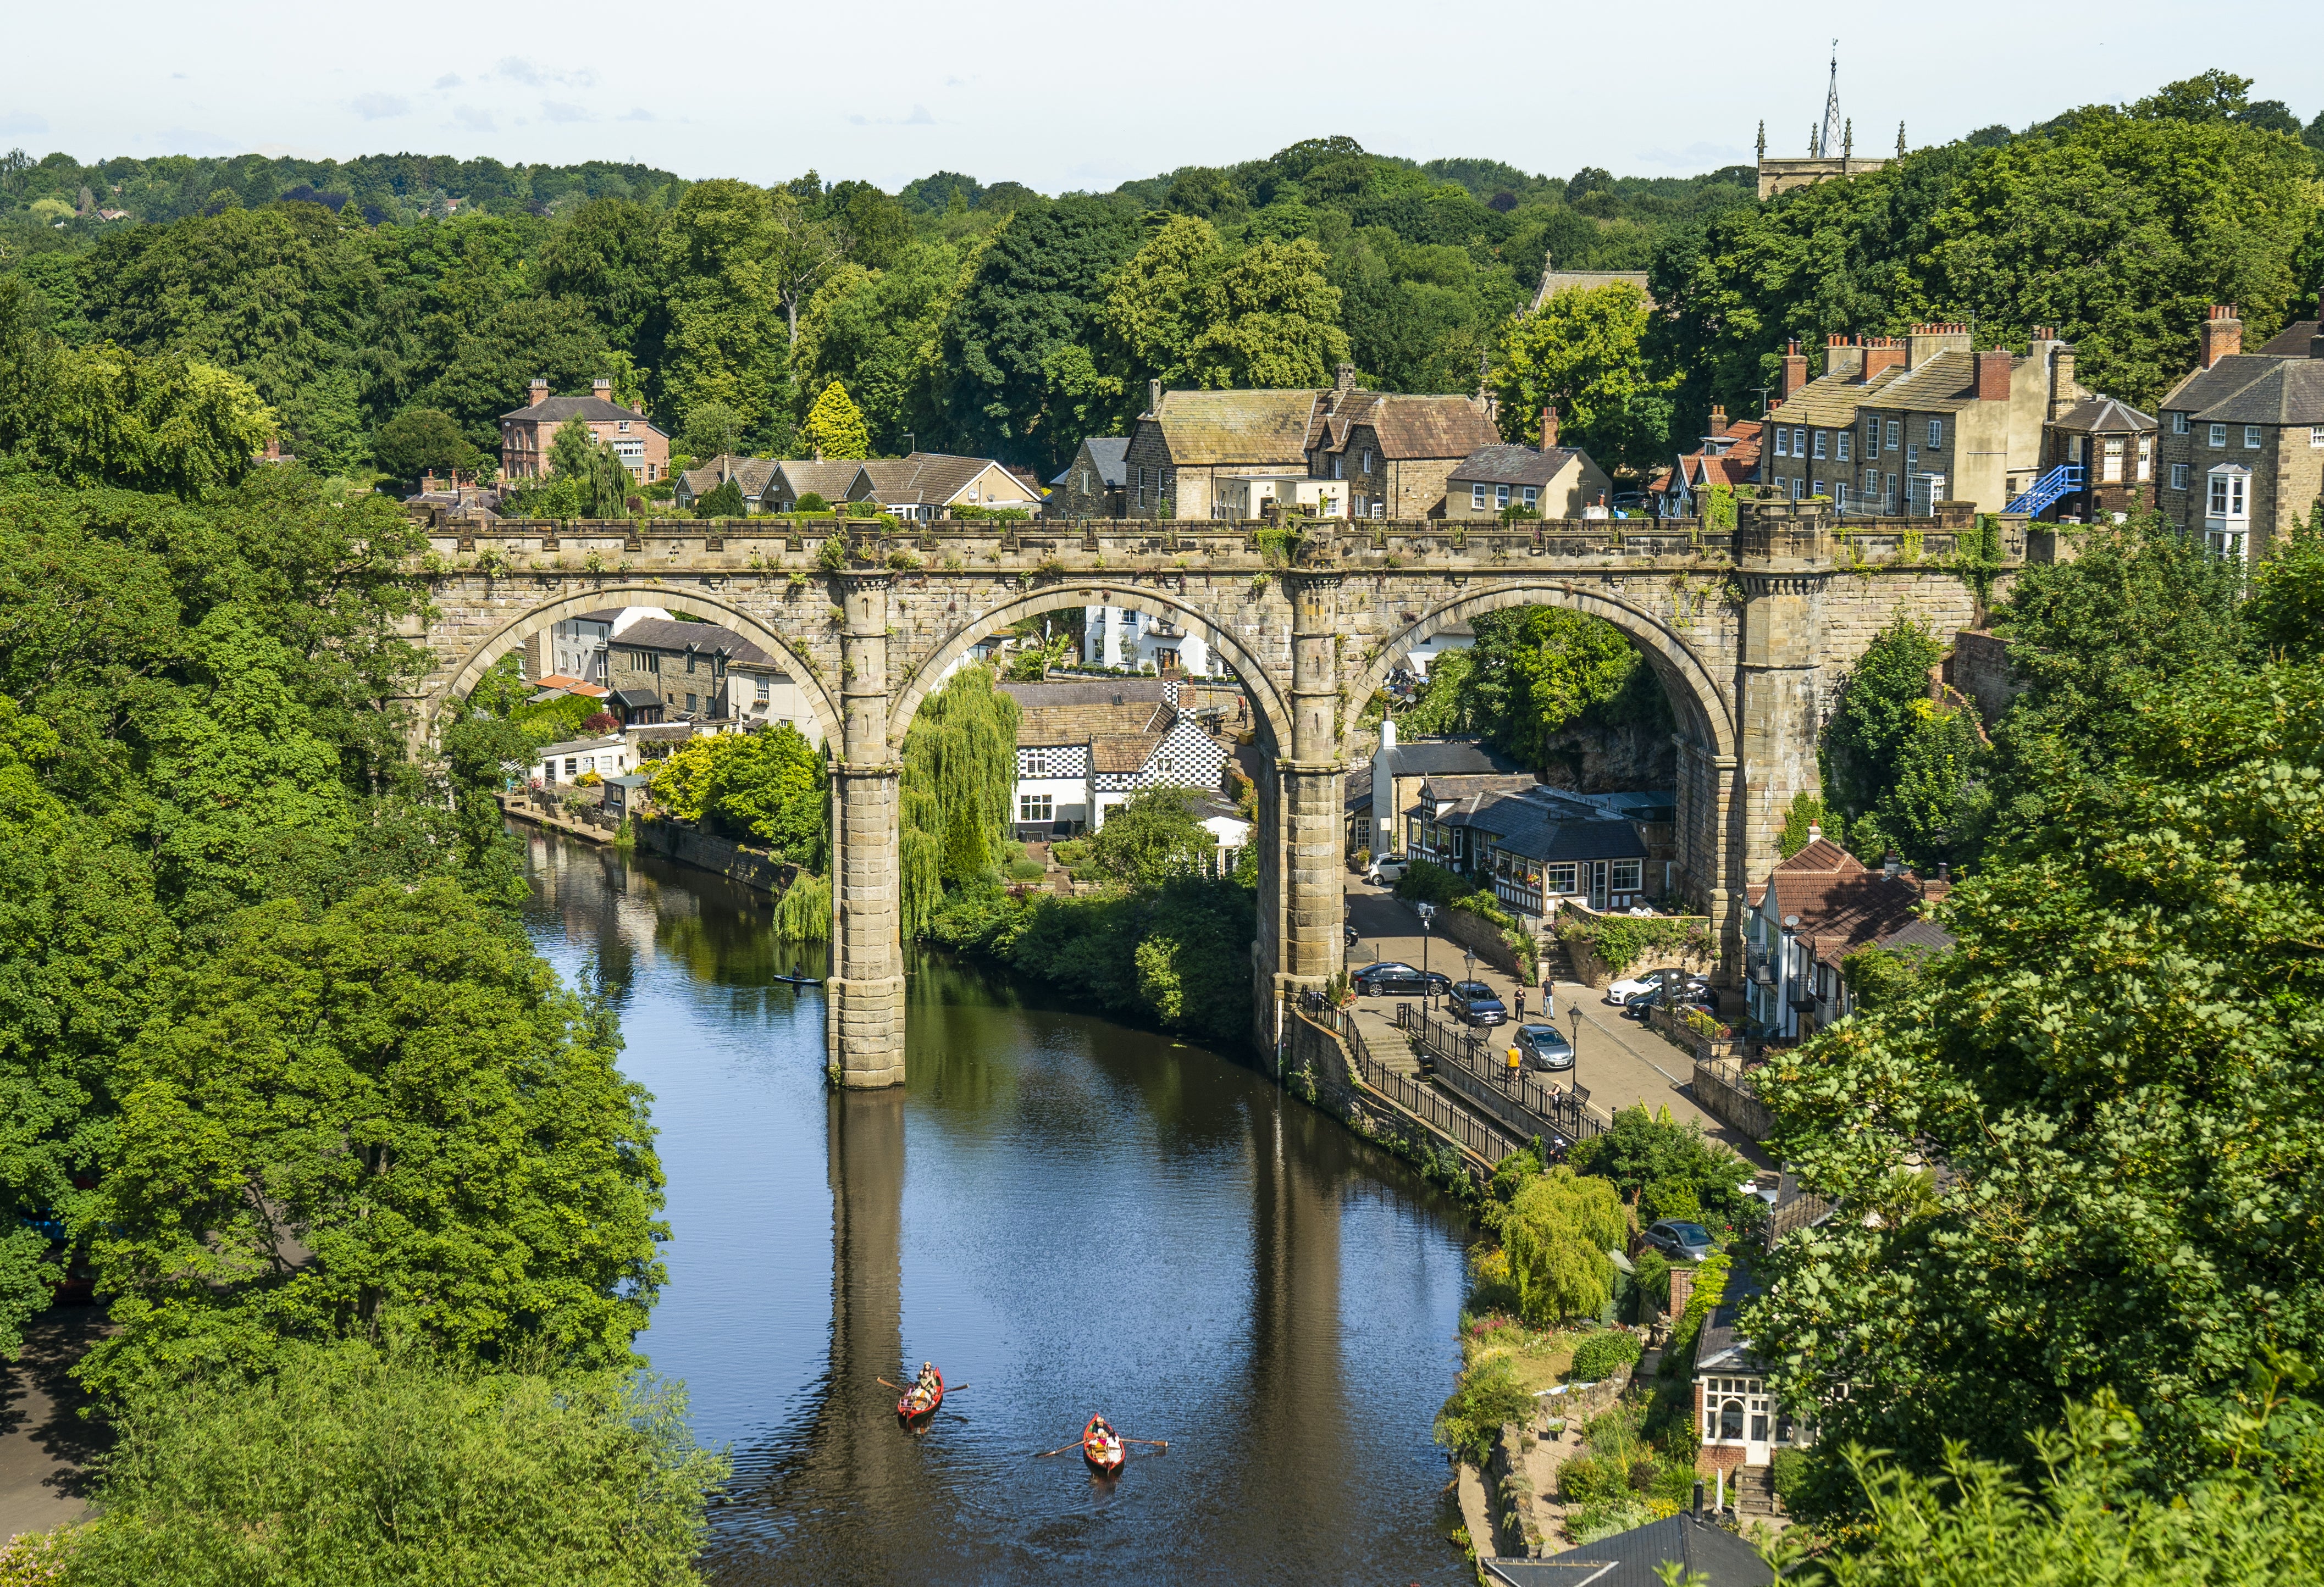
[[1750, 631]]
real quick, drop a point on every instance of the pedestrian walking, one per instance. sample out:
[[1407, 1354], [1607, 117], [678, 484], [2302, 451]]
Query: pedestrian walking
[[1521, 1006], [1517, 1062]]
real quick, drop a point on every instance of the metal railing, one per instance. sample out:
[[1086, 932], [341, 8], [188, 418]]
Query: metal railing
[[1465, 1063], [1438, 1112]]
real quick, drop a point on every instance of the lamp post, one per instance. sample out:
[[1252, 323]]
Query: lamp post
[[1426, 912], [1573, 1075]]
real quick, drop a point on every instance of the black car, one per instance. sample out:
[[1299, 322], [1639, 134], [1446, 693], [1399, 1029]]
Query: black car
[[1476, 1004], [1646, 1002], [1543, 1047], [1390, 978]]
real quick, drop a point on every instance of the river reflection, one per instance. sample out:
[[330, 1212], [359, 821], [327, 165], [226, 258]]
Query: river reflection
[[1066, 1216]]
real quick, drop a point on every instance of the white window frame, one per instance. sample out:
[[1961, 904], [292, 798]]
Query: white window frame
[[1561, 878], [1364, 461], [1821, 444], [2219, 436], [2178, 424], [1872, 436], [1477, 497], [1936, 432], [2228, 495], [2178, 476], [1783, 441], [1912, 455], [1500, 496], [1800, 442], [2315, 437], [2251, 437], [1634, 870], [1843, 439], [1036, 808], [1895, 432], [1531, 496], [1037, 763]]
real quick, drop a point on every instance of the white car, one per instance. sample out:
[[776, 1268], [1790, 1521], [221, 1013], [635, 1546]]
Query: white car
[[1388, 869], [1620, 993]]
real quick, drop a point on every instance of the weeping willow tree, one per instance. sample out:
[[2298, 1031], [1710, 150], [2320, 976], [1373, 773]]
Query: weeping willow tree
[[960, 774], [803, 914]]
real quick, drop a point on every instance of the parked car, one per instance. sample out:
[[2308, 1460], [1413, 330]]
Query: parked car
[[1646, 1002], [1388, 869], [1391, 977], [1544, 1048], [1476, 1004], [1684, 1241], [1620, 993], [1351, 936]]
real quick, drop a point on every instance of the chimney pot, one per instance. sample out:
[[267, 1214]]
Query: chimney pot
[[1815, 833], [1718, 418], [1548, 428], [1945, 871], [1893, 864], [1698, 1496], [601, 387], [2223, 333]]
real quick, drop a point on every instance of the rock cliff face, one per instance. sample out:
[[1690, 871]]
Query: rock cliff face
[[1612, 760]]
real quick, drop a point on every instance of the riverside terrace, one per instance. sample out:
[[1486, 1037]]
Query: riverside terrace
[[1749, 632]]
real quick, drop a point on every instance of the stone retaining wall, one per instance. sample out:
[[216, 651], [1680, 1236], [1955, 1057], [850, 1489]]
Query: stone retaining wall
[[753, 868]]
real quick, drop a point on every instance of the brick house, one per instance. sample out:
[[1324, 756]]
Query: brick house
[[1814, 910], [2242, 437], [1729, 455], [1094, 483], [1553, 480], [527, 433], [1396, 452]]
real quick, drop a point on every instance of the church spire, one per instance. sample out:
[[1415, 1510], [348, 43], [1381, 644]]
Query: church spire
[[1829, 136]]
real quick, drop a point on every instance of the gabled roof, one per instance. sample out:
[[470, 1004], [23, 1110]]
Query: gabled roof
[[1944, 383], [1841, 904], [1409, 426], [1356, 787], [807, 476], [1421, 757], [1506, 463], [581, 746], [1541, 830], [2291, 342], [2103, 414], [1468, 785], [2203, 387], [669, 635], [1109, 455], [1830, 401], [937, 479], [2290, 392], [1250, 426], [632, 698], [750, 475], [1554, 281], [555, 410]]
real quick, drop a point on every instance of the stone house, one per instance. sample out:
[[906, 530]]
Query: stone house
[[1535, 847], [1094, 485], [2113, 443], [526, 434], [683, 665], [1815, 909], [760, 693], [1187, 442], [749, 474], [1809, 439], [796, 477], [1959, 425], [1550, 480], [574, 646], [931, 485], [1395, 451], [2242, 437]]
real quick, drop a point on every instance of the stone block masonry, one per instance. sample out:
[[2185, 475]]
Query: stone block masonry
[[1751, 633]]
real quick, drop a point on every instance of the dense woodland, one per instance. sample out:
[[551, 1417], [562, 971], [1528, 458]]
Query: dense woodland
[[995, 320]]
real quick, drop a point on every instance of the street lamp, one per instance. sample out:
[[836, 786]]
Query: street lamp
[[1426, 912], [1573, 1075]]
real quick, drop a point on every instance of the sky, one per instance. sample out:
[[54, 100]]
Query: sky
[[1062, 97]]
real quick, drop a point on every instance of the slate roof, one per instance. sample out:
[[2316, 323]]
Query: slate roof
[[1408, 427], [750, 475], [632, 698], [1356, 788], [1918, 933], [1830, 401], [1705, 1552], [2204, 387], [1085, 692], [1250, 427], [2289, 392], [1554, 281], [1943, 383], [555, 410], [1109, 453], [1423, 758], [803, 476], [934, 479], [1508, 463], [2291, 342], [1543, 832], [1437, 789], [2103, 414], [1080, 712], [580, 746], [667, 634]]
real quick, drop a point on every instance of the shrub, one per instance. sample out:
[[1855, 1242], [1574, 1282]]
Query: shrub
[[1558, 1231], [809, 502], [1621, 940], [1669, 1198], [1363, 860], [1588, 1479], [589, 780], [832, 558], [1429, 883], [1487, 1396], [1027, 870], [1790, 1471], [1653, 1278], [1601, 1355]]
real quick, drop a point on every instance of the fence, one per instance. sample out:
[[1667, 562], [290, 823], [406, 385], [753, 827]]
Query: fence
[[1439, 1112], [1721, 1091], [1468, 1065]]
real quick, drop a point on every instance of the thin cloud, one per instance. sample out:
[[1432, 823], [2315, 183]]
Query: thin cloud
[[518, 69], [561, 110], [640, 113], [472, 118], [380, 107], [1697, 157], [919, 118], [450, 79]]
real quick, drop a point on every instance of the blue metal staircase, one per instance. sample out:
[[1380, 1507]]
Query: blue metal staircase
[[2046, 491]]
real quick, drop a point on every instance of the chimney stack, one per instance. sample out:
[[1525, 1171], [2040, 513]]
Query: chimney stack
[[1924, 341], [1992, 374], [1893, 864], [1843, 355], [1718, 418], [1549, 429], [1795, 371], [1343, 379], [2223, 333], [539, 391], [1881, 353], [1815, 833], [1153, 397], [2062, 380], [601, 388]]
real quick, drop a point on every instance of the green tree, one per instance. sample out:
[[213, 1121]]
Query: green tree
[[607, 257], [1644, 1149], [2284, 615], [958, 786], [347, 1464], [711, 429], [728, 341], [834, 427], [1272, 320], [488, 370], [1153, 837], [1928, 783], [877, 332], [1880, 704], [1557, 1232], [1583, 353], [422, 440], [2116, 1067], [1806, 810], [723, 500], [446, 1147], [1534, 670]]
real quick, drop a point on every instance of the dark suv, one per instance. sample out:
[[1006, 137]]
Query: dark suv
[[1476, 1004]]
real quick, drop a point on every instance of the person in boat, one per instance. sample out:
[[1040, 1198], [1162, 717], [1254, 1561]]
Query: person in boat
[[925, 1387]]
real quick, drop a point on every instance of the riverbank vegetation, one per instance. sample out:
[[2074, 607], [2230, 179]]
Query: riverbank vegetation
[[280, 1068]]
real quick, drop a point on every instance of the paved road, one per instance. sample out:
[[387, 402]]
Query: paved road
[[1619, 1061], [43, 1443]]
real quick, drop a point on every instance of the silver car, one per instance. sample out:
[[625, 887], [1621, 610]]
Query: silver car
[[1544, 1047], [1682, 1241]]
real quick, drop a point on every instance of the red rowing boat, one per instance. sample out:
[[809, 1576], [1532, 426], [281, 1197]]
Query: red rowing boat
[[1103, 1447], [920, 1404]]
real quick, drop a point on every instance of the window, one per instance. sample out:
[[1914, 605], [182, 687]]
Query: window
[[1477, 497], [689, 662], [2226, 494], [1892, 489], [1500, 496], [692, 703], [2110, 459], [1912, 457], [1532, 496], [1872, 482], [569, 766], [1895, 429], [1816, 489], [1783, 443], [2178, 424], [1820, 442], [1379, 510], [1339, 468], [1035, 807], [1936, 432], [2219, 435], [2315, 437], [1037, 763], [766, 690], [1872, 435], [1364, 461], [623, 427], [2251, 437], [1799, 443], [1844, 437], [1166, 764], [2178, 476], [1627, 876], [2146, 457]]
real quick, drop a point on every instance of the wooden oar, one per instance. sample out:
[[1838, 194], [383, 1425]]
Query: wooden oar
[[885, 1384], [1060, 1449], [1158, 1443]]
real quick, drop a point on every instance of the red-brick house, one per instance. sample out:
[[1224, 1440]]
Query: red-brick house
[[1729, 455], [526, 434]]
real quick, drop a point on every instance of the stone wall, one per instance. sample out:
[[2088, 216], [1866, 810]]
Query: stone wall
[[1481, 936], [1978, 667], [753, 868]]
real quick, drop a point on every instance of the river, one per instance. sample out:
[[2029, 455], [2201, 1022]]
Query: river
[[1066, 1215]]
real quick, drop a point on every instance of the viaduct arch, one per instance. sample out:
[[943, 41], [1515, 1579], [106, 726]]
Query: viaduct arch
[[1751, 632]]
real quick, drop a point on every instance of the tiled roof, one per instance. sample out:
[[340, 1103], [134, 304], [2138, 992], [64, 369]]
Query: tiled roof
[[1048, 725], [1085, 692], [631, 698], [1412, 427], [2290, 392], [2102, 414], [1919, 933], [581, 746], [807, 476], [1246, 427], [1122, 752], [935, 479], [1830, 401], [1840, 903], [1554, 281], [1421, 757], [669, 635], [750, 475], [1110, 454], [1506, 463], [2291, 342], [1945, 382], [555, 410]]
